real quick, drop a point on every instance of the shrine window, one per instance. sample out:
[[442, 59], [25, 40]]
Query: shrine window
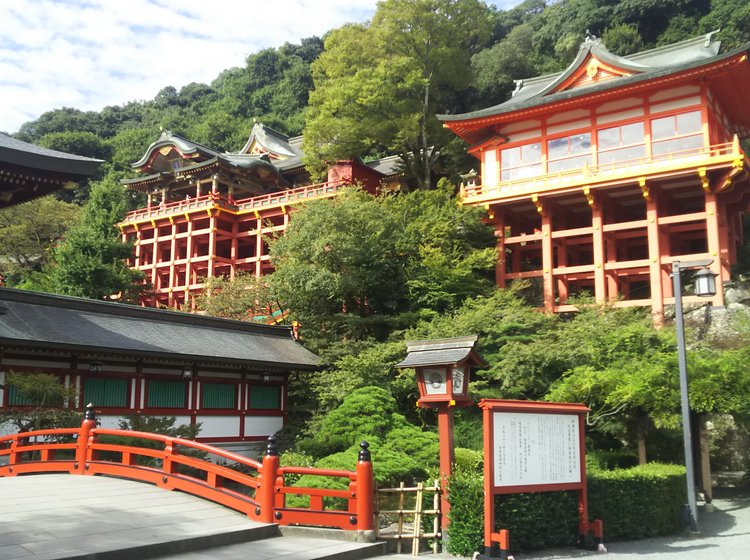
[[218, 395], [677, 133], [265, 397], [521, 162], [106, 392], [166, 394], [570, 152], [621, 143]]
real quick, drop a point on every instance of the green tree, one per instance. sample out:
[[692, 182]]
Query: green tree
[[29, 231], [337, 267], [379, 86], [43, 396], [239, 298], [623, 39], [91, 261], [450, 253]]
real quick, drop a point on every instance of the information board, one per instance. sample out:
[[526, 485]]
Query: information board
[[534, 449]]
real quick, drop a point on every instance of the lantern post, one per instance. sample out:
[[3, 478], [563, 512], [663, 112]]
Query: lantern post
[[444, 369]]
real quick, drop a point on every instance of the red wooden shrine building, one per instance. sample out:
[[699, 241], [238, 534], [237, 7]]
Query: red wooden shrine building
[[228, 376], [210, 213], [597, 178]]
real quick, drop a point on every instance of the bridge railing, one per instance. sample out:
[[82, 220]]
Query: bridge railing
[[256, 488]]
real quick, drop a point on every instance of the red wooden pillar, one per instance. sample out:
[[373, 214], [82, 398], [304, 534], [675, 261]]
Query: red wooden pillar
[[713, 238], [173, 257], [211, 244], [654, 253], [447, 459], [597, 223], [547, 258], [499, 221]]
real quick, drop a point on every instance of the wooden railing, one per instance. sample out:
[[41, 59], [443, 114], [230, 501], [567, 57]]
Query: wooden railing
[[244, 205], [728, 152], [255, 488]]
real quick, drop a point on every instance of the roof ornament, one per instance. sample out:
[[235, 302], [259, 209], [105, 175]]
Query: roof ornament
[[519, 85], [590, 39]]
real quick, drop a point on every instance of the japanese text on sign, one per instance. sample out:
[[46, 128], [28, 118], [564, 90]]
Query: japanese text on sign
[[535, 449]]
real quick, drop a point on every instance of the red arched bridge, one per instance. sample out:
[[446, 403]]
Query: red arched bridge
[[259, 489]]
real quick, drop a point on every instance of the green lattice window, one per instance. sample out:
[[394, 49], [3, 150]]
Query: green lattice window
[[17, 398], [217, 395], [165, 394], [264, 396], [102, 391]]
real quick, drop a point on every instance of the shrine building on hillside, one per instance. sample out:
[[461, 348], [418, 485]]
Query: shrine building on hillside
[[597, 178], [210, 213]]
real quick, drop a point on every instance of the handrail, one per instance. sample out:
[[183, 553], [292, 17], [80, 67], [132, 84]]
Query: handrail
[[249, 204], [255, 488], [594, 173]]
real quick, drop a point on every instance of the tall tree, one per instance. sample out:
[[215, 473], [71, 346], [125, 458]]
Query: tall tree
[[379, 86], [91, 261], [28, 232]]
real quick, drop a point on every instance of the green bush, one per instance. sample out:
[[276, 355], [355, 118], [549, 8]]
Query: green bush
[[639, 502], [610, 459], [466, 491], [644, 501], [469, 459]]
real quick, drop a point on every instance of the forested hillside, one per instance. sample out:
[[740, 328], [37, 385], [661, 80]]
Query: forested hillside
[[489, 48]]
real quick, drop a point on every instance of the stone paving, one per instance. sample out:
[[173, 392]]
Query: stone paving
[[56, 517]]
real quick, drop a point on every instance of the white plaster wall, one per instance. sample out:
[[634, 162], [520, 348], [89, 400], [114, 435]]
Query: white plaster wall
[[263, 425], [219, 426]]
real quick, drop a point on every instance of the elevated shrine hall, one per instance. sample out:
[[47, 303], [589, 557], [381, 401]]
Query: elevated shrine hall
[[597, 178], [211, 214]]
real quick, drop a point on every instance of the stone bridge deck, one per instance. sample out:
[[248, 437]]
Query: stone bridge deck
[[56, 517]]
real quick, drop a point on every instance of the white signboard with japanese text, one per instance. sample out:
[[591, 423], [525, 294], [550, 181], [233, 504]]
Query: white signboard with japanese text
[[535, 449]]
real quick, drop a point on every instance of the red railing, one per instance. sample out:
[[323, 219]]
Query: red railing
[[251, 204], [256, 488], [475, 192]]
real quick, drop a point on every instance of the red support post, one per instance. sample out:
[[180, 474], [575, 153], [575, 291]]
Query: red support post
[[268, 474], [365, 490], [88, 424], [447, 458]]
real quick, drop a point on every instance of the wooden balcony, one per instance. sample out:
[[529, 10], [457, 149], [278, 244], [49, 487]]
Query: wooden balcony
[[241, 206], [675, 163]]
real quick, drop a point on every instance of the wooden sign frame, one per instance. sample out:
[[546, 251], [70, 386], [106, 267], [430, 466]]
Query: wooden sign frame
[[518, 419]]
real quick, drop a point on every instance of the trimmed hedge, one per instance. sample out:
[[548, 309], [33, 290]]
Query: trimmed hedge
[[639, 502]]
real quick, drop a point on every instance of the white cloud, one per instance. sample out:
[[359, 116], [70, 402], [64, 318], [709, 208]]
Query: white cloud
[[89, 54]]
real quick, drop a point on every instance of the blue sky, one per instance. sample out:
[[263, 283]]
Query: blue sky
[[89, 54]]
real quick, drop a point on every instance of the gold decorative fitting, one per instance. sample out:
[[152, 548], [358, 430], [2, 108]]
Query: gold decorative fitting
[[704, 179], [590, 198], [644, 188], [592, 69], [537, 203], [164, 150]]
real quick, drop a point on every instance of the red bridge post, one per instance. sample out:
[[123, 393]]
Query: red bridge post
[[365, 490], [268, 473], [88, 424]]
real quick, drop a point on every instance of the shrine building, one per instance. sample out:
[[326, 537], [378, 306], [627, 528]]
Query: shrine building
[[28, 171], [210, 213], [597, 178], [230, 377]]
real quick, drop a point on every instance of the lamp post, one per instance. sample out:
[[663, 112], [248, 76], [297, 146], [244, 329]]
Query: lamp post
[[443, 373], [705, 286]]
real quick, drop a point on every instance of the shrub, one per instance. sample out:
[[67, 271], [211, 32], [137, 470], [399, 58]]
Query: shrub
[[466, 491], [469, 459], [642, 501]]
